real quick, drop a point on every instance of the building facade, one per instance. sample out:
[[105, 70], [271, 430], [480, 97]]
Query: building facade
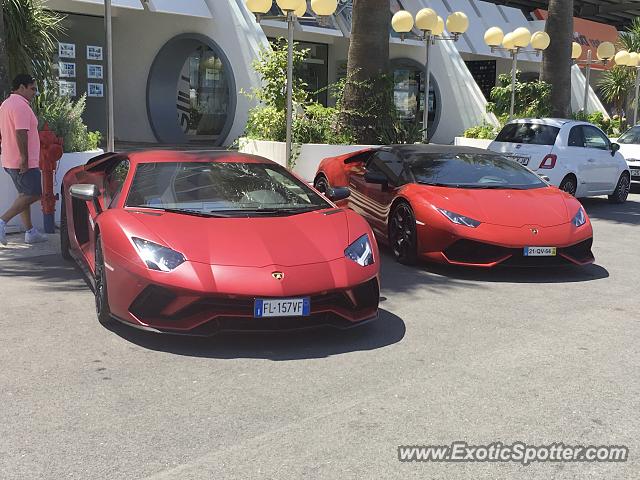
[[180, 67]]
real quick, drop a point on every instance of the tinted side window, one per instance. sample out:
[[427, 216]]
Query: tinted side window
[[594, 138], [528, 133], [388, 164], [631, 136], [576, 137], [114, 181]]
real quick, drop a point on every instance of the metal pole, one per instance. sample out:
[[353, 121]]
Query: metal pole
[[587, 82], [427, 86], [514, 54], [635, 107], [290, 20], [107, 23]]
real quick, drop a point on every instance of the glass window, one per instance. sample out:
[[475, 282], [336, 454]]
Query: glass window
[[114, 180], [408, 95], [594, 138], [482, 171], [203, 96], [576, 137], [387, 163], [631, 136], [211, 187], [528, 133]]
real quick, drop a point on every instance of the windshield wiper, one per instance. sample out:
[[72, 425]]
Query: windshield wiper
[[271, 211], [183, 211]]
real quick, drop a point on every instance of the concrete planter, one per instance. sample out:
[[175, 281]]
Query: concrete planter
[[311, 154], [472, 142], [8, 191]]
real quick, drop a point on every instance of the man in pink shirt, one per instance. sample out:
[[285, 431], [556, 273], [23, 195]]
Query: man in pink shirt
[[21, 155]]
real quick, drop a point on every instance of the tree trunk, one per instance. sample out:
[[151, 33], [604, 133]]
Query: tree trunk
[[365, 104], [556, 68], [5, 81]]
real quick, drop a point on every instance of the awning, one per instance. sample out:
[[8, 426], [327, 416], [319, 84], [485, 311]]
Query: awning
[[192, 8], [134, 4]]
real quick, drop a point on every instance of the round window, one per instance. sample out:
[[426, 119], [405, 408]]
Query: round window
[[191, 92]]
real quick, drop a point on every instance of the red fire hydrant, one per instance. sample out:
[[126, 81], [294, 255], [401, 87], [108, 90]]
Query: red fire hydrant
[[50, 153]]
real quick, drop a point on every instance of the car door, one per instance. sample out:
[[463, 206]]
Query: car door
[[601, 170], [373, 200]]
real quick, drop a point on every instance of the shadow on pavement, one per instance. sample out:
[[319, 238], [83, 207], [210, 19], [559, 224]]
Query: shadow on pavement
[[628, 212], [276, 346], [441, 278], [50, 270]]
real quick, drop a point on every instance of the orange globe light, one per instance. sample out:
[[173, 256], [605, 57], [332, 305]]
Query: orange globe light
[[402, 22]]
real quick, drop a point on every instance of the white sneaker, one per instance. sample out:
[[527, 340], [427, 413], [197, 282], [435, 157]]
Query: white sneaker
[[3, 234], [34, 236]]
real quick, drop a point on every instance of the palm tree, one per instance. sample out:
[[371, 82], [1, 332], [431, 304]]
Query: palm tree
[[615, 86], [556, 64], [364, 105], [30, 33], [5, 82]]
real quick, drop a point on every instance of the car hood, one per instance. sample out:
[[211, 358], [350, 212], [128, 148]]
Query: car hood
[[302, 239], [545, 207]]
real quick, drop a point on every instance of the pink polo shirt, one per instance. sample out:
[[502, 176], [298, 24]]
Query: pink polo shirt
[[16, 114]]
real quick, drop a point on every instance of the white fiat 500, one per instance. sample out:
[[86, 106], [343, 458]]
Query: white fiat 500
[[630, 150], [576, 156]]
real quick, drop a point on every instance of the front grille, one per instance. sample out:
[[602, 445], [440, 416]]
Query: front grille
[[580, 252], [367, 295], [151, 302], [469, 251]]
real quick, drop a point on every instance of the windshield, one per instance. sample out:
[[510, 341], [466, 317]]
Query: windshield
[[221, 187], [528, 133], [472, 171], [631, 136]]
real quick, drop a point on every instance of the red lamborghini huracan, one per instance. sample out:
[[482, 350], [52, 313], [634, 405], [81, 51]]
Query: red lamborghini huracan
[[195, 243], [461, 206]]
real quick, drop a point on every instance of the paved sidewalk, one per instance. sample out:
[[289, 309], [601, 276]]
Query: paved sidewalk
[[17, 249]]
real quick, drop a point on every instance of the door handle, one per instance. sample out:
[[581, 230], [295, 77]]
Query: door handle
[[592, 160]]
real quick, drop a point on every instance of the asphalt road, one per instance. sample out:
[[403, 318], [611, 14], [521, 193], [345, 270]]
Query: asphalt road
[[480, 356]]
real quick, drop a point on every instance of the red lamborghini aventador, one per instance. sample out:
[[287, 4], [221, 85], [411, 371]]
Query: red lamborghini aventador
[[195, 244], [461, 206]]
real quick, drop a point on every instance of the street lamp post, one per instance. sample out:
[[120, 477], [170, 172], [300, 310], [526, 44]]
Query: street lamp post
[[515, 43], [606, 51], [432, 27], [109, 42], [631, 59], [293, 9]]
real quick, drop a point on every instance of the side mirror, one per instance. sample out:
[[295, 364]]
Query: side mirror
[[84, 191], [615, 147], [87, 192], [375, 177], [336, 194]]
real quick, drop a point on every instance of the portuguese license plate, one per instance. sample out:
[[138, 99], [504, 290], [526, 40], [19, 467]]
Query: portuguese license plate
[[281, 307], [540, 251], [635, 172]]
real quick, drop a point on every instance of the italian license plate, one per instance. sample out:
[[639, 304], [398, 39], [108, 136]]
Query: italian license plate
[[540, 251], [281, 307], [522, 160], [635, 172]]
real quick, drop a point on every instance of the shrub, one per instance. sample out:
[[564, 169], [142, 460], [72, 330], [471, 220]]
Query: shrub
[[484, 131], [64, 118], [533, 99]]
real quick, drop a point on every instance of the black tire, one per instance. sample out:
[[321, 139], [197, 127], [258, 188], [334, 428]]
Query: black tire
[[322, 184], [569, 184], [403, 238], [101, 295], [621, 192], [65, 245]]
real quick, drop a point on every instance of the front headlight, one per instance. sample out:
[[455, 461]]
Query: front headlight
[[360, 251], [580, 218], [459, 219], [157, 257]]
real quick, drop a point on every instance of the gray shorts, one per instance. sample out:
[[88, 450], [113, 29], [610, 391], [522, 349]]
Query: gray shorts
[[29, 183]]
